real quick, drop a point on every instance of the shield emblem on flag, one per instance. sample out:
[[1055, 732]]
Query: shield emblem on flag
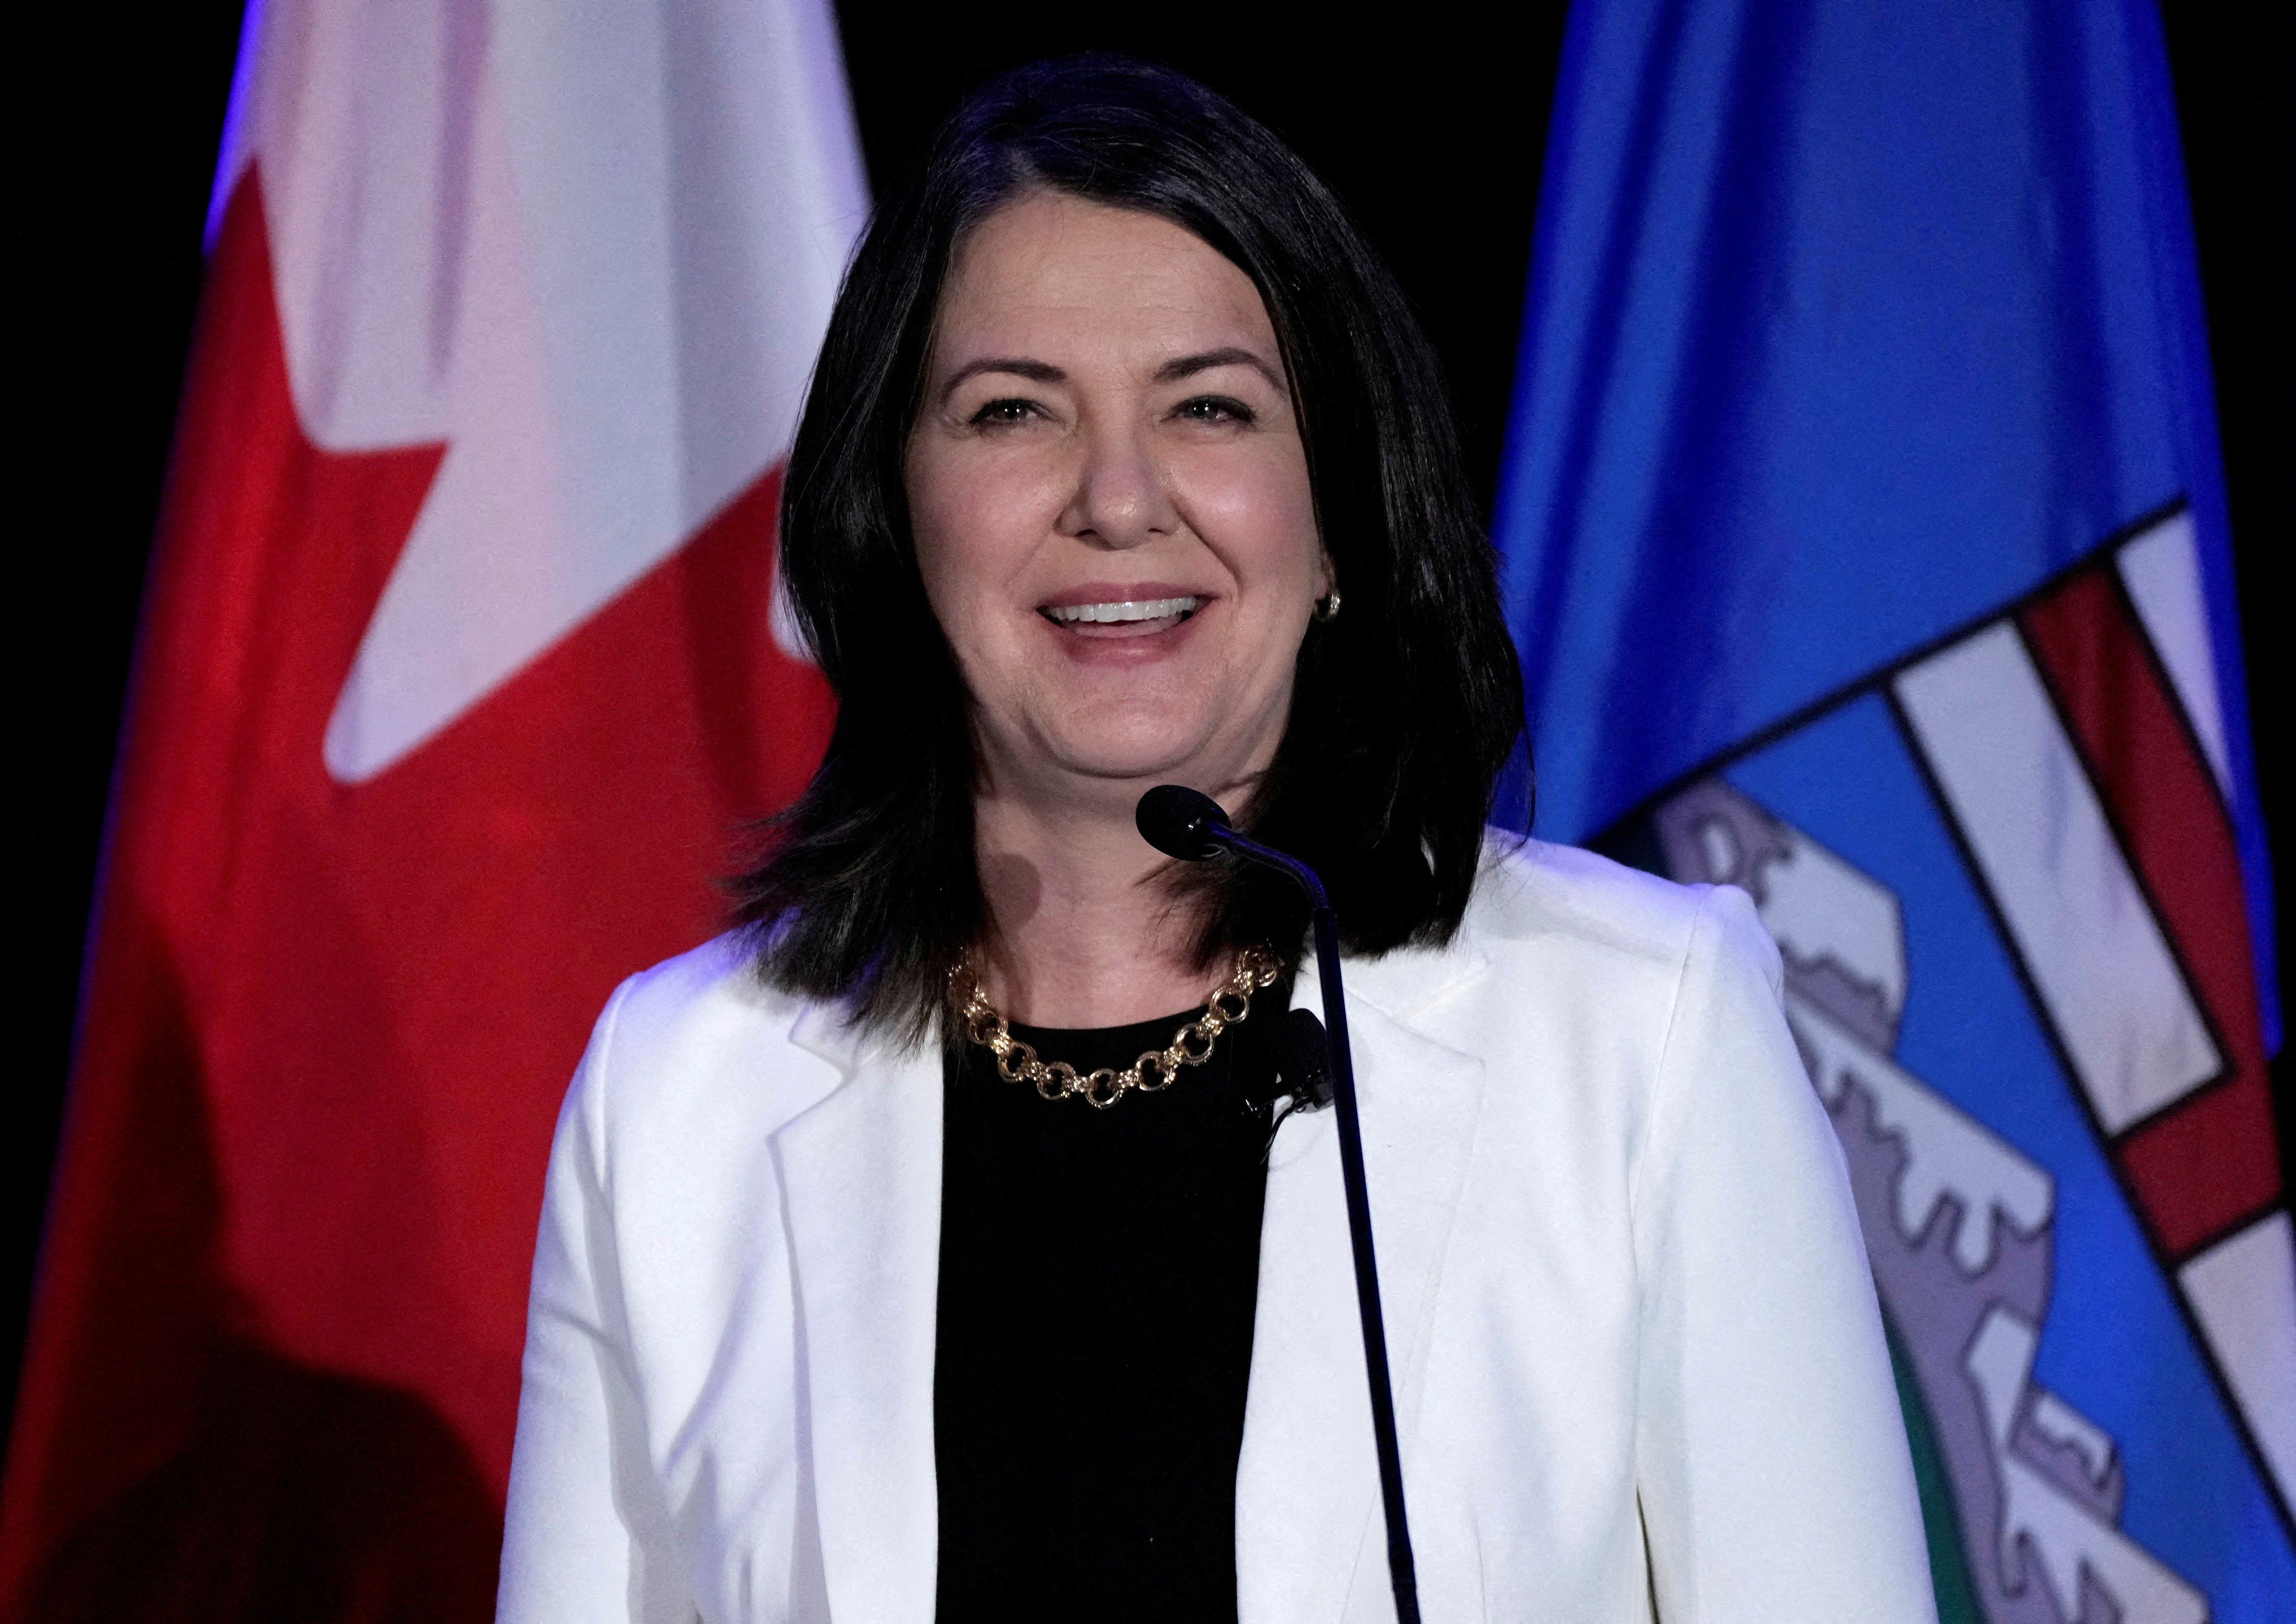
[[2003, 882]]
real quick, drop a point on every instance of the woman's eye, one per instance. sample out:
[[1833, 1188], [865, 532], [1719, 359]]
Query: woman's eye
[[1214, 408], [1000, 412]]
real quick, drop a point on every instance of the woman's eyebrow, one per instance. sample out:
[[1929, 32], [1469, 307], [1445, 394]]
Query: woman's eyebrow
[[1188, 366], [1035, 372]]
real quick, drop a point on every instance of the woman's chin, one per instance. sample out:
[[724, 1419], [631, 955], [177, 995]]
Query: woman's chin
[[1154, 753]]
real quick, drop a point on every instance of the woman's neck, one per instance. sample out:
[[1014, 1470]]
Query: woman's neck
[[1082, 933]]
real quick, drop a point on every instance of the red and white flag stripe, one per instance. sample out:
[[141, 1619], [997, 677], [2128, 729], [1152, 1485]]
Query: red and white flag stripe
[[2080, 748]]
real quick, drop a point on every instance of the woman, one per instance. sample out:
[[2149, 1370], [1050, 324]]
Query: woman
[[1124, 464]]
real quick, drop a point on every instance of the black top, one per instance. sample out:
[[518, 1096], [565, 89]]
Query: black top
[[1098, 1273]]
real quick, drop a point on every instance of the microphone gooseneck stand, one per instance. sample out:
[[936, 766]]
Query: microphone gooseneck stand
[[1181, 823]]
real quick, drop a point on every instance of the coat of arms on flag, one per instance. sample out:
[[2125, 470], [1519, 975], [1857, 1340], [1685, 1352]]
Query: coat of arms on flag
[[1997, 871]]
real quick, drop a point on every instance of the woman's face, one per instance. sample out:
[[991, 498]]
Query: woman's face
[[1111, 503]]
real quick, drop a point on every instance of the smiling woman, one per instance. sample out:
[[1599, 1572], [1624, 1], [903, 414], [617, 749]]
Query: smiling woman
[[1113, 344], [1115, 527], [1124, 465]]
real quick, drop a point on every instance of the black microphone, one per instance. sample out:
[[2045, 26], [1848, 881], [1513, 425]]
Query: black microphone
[[1182, 823]]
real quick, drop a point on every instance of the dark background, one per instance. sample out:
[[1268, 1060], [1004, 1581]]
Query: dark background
[[1430, 121]]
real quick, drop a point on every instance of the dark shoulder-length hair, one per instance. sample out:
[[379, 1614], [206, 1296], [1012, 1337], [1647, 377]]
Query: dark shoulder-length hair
[[1405, 706]]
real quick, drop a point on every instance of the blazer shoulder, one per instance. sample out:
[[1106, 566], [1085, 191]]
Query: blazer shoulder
[[1535, 897], [704, 989], [1532, 890], [698, 1027]]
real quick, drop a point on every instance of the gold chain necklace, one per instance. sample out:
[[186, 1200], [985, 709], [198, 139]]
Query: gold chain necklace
[[1190, 1046]]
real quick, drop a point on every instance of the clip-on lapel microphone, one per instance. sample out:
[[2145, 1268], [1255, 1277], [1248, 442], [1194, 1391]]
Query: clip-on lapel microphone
[[1180, 822]]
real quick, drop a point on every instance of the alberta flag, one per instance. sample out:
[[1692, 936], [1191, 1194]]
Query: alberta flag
[[1865, 546]]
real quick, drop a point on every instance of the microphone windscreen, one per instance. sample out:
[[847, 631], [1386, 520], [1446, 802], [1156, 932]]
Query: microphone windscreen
[[1173, 819], [1302, 1059]]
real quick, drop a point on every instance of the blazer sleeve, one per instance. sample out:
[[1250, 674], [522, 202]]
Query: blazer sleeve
[[1770, 1453], [581, 1541]]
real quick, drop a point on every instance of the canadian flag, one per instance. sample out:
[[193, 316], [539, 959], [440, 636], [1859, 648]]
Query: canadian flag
[[458, 678]]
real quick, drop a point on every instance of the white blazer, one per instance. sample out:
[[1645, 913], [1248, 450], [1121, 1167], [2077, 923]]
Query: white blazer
[[1637, 1359]]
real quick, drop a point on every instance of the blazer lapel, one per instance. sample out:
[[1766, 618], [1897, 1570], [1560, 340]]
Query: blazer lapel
[[863, 1170], [1310, 1542]]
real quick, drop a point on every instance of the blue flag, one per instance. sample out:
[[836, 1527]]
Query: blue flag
[[1865, 546]]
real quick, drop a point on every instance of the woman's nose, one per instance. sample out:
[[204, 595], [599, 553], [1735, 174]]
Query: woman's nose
[[1121, 499]]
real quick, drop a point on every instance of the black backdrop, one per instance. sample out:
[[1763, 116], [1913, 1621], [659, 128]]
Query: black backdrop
[[1430, 121]]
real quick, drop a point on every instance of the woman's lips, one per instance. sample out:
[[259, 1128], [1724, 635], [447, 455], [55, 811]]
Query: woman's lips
[[1142, 612]]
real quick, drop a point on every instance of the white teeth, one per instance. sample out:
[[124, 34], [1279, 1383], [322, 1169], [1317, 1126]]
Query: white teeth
[[1153, 609]]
